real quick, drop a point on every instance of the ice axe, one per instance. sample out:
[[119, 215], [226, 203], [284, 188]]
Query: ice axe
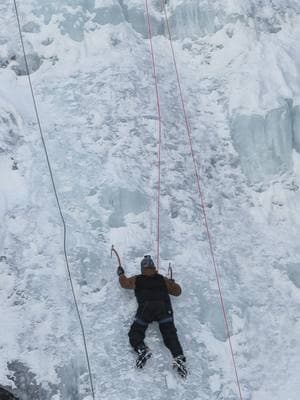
[[114, 251], [120, 269], [170, 272]]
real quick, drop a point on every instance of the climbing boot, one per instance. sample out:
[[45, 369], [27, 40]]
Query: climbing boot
[[144, 354], [179, 365]]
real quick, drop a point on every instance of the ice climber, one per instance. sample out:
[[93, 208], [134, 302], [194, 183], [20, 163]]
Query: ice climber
[[152, 292]]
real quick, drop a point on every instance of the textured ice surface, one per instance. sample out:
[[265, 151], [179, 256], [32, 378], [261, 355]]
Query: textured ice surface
[[95, 93], [293, 271], [34, 63], [265, 143], [296, 127], [122, 202], [10, 131], [194, 18], [109, 14]]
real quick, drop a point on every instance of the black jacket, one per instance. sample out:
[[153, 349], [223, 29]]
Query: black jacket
[[151, 288]]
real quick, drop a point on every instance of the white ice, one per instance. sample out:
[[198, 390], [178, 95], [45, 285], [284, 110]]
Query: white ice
[[239, 64]]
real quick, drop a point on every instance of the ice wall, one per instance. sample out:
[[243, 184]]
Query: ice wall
[[43, 22], [188, 18], [9, 129], [108, 13], [134, 13], [194, 18], [293, 271], [78, 17], [264, 143], [100, 123], [296, 127]]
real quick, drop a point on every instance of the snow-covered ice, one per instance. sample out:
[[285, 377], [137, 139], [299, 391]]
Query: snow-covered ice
[[91, 71]]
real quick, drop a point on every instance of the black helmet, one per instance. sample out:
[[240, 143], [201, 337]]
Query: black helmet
[[147, 262]]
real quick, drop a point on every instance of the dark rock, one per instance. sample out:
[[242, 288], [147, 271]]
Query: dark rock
[[34, 62], [5, 395], [31, 27]]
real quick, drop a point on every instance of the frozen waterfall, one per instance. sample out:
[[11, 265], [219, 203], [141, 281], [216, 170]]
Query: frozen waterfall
[[90, 66]]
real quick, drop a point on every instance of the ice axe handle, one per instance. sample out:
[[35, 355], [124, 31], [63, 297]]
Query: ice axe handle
[[114, 251], [170, 271]]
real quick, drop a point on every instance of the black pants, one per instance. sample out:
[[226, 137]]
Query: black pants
[[160, 312]]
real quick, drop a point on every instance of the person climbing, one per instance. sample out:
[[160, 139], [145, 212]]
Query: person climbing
[[152, 292]]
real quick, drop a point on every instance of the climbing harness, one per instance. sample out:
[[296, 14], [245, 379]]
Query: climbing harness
[[197, 176], [57, 202]]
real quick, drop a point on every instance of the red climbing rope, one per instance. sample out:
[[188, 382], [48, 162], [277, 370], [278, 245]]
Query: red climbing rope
[[201, 197], [159, 135]]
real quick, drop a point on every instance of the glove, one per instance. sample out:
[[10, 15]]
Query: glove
[[120, 270]]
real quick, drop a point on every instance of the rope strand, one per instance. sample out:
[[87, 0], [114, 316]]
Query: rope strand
[[57, 202], [159, 136], [202, 203]]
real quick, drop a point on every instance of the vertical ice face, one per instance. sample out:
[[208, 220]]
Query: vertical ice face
[[74, 16], [121, 202], [9, 129], [296, 127], [264, 143], [100, 122], [108, 13], [196, 18], [134, 14], [293, 272]]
